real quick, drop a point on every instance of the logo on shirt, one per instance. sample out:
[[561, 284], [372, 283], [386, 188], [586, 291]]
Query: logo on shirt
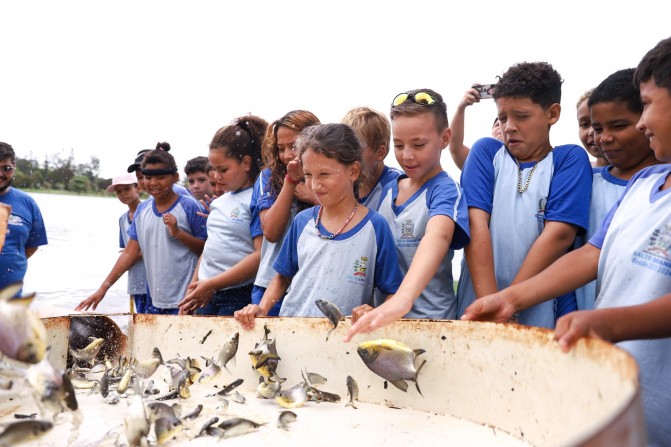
[[657, 256], [14, 220], [360, 266], [407, 229], [235, 213]]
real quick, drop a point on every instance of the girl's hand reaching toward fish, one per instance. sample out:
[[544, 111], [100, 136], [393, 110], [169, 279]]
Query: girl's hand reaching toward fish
[[248, 314], [369, 321]]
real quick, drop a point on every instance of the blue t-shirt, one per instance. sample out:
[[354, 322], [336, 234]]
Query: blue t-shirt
[[559, 190], [137, 275], [343, 270], [439, 196], [25, 229], [372, 200], [169, 263]]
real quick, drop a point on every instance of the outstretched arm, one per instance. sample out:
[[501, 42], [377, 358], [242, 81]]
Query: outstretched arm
[[458, 150], [276, 289]]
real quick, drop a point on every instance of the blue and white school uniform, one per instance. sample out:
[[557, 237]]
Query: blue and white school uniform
[[231, 229], [372, 200], [439, 196], [25, 229], [137, 275], [606, 190], [559, 191], [169, 263], [263, 198], [635, 268], [343, 270]]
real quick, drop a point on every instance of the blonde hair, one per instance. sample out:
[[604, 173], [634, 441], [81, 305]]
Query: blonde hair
[[584, 97], [371, 127]]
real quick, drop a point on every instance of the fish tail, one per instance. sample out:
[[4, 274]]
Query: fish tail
[[416, 375], [329, 333], [351, 404]]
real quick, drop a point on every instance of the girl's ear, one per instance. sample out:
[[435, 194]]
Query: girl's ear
[[247, 163], [355, 170]]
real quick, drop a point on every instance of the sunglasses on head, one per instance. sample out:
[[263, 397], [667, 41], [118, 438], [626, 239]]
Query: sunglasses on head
[[7, 168], [421, 98]]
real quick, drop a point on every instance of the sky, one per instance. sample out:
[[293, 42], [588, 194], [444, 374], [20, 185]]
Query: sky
[[106, 79]]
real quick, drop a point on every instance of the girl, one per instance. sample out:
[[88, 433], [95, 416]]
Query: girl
[[340, 244], [166, 232], [278, 200], [223, 281], [586, 133]]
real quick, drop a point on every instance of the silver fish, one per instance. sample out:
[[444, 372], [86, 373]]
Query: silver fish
[[158, 410], [136, 424], [228, 351], [391, 360], [238, 398], [353, 391], [146, 368], [211, 372], [314, 379], [332, 313], [269, 389], [293, 397], [89, 353], [321, 396], [194, 414], [230, 387], [285, 418], [125, 381], [23, 336], [23, 431], [207, 425], [237, 426], [166, 428]]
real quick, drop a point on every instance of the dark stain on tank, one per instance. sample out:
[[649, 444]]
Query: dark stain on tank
[[205, 337]]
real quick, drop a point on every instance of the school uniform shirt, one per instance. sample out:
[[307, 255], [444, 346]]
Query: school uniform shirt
[[168, 262], [606, 189], [263, 198], [559, 191], [343, 270], [372, 200], [439, 196], [231, 230], [137, 275], [635, 268], [25, 229]]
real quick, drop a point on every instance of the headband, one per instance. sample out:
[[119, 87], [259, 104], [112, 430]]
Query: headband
[[164, 171]]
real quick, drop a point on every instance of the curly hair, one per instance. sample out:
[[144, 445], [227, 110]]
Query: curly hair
[[656, 65], [538, 81], [242, 138], [618, 87]]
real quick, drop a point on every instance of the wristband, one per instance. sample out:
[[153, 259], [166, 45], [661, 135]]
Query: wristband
[[287, 178]]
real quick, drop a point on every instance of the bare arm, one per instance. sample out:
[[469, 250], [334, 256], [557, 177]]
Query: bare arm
[[479, 254], [274, 220], [190, 241], [276, 289], [458, 150], [30, 251]]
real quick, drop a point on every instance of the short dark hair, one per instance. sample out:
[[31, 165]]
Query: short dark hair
[[438, 109], [7, 151], [538, 81], [656, 65], [197, 164], [618, 87]]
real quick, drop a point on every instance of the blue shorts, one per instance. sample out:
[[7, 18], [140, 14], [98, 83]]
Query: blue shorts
[[257, 295], [226, 302], [140, 303], [143, 305]]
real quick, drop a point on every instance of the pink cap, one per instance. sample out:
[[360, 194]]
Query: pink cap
[[125, 179]]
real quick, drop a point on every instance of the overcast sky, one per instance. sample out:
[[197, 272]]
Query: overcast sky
[[107, 79]]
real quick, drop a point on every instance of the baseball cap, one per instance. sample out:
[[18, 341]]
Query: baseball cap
[[138, 160], [124, 179]]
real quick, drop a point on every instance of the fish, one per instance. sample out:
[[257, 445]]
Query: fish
[[112, 399], [156, 353], [194, 414], [293, 397], [207, 425], [285, 418], [314, 379], [23, 336], [332, 313], [321, 396], [237, 426], [211, 372], [145, 369], [223, 408], [53, 390], [105, 383], [158, 410], [238, 398], [230, 387], [24, 431], [392, 360], [268, 389], [166, 429], [136, 425], [89, 353], [353, 391], [125, 381], [228, 351]]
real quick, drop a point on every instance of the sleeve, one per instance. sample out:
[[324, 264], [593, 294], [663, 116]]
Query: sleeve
[[197, 223], [570, 188], [122, 244], [286, 263], [38, 233], [255, 224], [388, 275], [266, 198], [132, 230], [447, 199], [477, 178]]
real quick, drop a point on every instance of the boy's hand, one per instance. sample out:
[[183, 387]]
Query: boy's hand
[[197, 296], [490, 308], [206, 206], [170, 221], [248, 314], [586, 323], [387, 313], [92, 301], [471, 96]]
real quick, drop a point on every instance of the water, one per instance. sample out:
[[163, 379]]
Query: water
[[83, 246]]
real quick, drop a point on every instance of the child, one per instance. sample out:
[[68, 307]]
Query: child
[[372, 129], [126, 189], [277, 200], [341, 245], [615, 107], [217, 190], [526, 199], [137, 168], [223, 281], [628, 256], [426, 212], [585, 131], [167, 233], [197, 174]]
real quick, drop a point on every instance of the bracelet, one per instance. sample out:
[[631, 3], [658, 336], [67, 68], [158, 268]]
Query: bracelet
[[290, 180]]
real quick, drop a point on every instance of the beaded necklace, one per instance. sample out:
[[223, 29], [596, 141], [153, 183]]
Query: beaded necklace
[[521, 189], [331, 236]]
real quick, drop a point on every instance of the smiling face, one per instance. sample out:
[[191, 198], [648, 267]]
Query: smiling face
[[331, 181], [655, 121], [286, 137], [418, 145], [585, 131], [616, 135], [127, 193], [199, 185], [525, 127], [232, 174], [7, 169], [159, 186]]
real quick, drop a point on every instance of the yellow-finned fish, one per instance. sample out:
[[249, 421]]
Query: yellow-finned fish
[[22, 335], [23, 431], [89, 353], [391, 360]]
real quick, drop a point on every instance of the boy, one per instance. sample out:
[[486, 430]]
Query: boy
[[630, 254], [372, 129], [526, 199], [197, 172], [126, 189], [615, 108], [427, 214]]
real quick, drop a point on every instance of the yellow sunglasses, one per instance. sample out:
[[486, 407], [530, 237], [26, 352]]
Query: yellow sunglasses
[[422, 98]]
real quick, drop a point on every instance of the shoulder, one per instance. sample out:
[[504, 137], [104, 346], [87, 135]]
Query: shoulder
[[651, 171], [570, 152], [182, 191], [487, 145], [389, 174]]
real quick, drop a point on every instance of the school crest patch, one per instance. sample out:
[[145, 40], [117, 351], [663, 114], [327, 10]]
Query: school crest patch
[[657, 256]]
